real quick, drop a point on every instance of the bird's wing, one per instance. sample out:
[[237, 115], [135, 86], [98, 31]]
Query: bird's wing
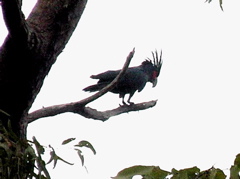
[[106, 76], [134, 79]]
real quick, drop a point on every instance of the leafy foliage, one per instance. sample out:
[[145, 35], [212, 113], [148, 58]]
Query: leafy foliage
[[147, 172], [185, 173], [220, 3], [154, 172], [41, 165], [54, 157], [78, 147], [235, 169], [68, 140], [87, 144], [17, 157]]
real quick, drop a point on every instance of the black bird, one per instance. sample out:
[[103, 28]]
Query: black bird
[[134, 79]]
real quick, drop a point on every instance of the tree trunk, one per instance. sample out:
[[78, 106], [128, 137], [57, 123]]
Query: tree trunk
[[26, 57], [30, 50]]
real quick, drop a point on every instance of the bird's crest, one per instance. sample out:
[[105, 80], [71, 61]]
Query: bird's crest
[[147, 62], [157, 61]]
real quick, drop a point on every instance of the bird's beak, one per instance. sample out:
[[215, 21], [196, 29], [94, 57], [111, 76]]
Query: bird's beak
[[154, 82]]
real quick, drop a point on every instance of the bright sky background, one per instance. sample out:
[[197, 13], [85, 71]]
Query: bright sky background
[[196, 120]]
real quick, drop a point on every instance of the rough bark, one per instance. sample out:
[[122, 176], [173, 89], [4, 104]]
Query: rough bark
[[87, 112], [29, 51]]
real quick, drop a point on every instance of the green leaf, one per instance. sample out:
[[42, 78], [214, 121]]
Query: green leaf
[[187, 173], [145, 171], [1, 111], [156, 173], [208, 1], [39, 147], [68, 140], [235, 169], [12, 134], [220, 3], [55, 158], [80, 156], [234, 172], [4, 149], [52, 154], [87, 144], [237, 160], [42, 177], [212, 173], [59, 158], [217, 174]]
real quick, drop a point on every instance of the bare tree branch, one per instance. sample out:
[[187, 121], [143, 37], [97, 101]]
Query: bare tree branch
[[105, 115], [79, 107], [87, 111], [14, 19]]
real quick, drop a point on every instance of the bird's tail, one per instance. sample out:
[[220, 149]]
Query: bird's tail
[[94, 88]]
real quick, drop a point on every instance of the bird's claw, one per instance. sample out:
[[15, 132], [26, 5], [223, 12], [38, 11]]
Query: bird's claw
[[125, 104]]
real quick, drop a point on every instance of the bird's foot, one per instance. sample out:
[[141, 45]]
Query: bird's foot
[[131, 103], [125, 104]]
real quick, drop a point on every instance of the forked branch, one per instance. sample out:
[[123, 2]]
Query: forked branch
[[14, 19], [79, 107]]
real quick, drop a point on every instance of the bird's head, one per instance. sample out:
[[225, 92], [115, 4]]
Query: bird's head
[[153, 68]]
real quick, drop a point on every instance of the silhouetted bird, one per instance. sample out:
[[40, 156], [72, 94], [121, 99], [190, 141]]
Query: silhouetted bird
[[134, 79]]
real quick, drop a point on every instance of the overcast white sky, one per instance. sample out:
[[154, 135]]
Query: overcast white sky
[[196, 119]]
